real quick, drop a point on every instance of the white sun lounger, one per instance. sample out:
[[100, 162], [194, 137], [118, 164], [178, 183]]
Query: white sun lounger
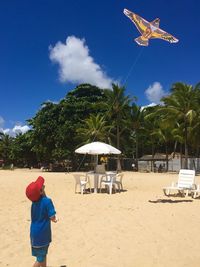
[[186, 182], [196, 192]]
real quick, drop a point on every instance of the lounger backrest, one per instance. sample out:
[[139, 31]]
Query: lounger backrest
[[186, 178]]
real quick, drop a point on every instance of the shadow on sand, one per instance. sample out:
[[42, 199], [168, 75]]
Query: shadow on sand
[[170, 201], [105, 191]]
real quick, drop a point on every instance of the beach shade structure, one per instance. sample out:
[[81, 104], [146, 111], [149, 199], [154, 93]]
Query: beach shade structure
[[97, 148]]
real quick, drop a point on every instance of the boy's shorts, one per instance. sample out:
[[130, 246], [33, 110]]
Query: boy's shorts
[[40, 253]]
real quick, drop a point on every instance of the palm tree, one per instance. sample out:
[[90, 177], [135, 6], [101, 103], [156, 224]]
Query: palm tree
[[118, 104], [178, 139], [181, 107], [195, 127], [151, 127], [94, 128], [136, 121], [164, 136], [118, 107]]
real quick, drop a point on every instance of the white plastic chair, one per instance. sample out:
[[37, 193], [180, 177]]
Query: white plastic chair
[[118, 181], [82, 180], [186, 182], [109, 181]]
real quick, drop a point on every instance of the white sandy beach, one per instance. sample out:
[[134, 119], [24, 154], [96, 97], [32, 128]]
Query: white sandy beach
[[139, 227]]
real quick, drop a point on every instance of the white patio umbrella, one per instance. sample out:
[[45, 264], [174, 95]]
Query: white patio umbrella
[[97, 148]]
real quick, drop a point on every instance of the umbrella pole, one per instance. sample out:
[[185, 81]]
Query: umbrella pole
[[119, 168], [96, 160]]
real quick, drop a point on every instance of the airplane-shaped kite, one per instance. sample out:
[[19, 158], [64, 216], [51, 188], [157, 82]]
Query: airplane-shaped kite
[[148, 30]]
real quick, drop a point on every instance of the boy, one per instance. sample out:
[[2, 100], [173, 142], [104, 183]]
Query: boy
[[42, 213]]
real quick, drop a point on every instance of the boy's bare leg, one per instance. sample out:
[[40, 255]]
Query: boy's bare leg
[[40, 264], [44, 263], [36, 264]]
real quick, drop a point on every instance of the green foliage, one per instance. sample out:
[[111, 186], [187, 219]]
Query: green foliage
[[55, 125], [88, 113], [22, 154], [94, 128], [5, 148], [118, 106]]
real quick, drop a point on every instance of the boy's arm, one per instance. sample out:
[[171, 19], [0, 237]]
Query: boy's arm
[[51, 211]]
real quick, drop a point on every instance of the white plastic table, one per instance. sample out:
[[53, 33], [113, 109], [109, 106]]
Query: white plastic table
[[96, 177]]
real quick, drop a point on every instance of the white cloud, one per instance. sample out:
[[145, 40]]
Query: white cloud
[[17, 129], [21, 129], [76, 65], [155, 92], [8, 131], [149, 105]]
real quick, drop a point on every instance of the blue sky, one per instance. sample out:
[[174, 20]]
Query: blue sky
[[48, 47]]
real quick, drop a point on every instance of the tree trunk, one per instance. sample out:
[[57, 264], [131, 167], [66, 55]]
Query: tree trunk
[[167, 159], [136, 152], [186, 149], [153, 152], [118, 137], [118, 144], [181, 156], [174, 152]]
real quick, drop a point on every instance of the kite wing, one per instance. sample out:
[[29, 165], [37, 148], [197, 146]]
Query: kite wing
[[156, 23], [160, 34], [139, 22]]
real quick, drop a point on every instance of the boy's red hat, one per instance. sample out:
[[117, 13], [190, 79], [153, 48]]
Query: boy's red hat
[[33, 190]]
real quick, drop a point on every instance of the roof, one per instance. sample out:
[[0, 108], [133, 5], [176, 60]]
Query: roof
[[157, 156]]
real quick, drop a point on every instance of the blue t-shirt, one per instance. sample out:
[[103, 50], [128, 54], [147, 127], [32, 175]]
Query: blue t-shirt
[[40, 232]]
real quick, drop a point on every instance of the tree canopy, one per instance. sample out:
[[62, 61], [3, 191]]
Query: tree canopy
[[88, 113]]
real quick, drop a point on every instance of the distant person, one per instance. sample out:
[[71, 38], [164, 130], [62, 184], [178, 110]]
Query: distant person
[[160, 168], [42, 213]]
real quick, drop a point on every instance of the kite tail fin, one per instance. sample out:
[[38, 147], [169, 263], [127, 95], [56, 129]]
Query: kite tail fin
[[142, 41]]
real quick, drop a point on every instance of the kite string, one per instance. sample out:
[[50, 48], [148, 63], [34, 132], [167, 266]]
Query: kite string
[[80, 164], [127, 76], [133, 65]]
